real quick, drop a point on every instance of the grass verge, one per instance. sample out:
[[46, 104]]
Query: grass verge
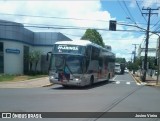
[[19, 78]]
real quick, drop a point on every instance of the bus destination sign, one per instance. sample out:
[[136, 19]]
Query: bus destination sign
[[67, 47]]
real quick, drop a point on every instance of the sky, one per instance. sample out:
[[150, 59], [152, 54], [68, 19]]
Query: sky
[[83, 14]]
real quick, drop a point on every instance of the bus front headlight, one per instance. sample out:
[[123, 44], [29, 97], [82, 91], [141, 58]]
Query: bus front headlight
[[77, 79], [51, 77]]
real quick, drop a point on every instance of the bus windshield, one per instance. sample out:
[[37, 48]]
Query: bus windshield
[[74, 63], [71, 63], [74, 49]]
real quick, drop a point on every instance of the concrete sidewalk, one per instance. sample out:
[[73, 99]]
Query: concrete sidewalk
[[150, 81], [32, 83]]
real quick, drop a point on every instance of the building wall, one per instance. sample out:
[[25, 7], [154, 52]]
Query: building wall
[[13, 62], [14, 37]]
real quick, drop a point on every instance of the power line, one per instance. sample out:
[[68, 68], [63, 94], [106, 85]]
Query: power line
[[155, 25], [140, 10], [46, 17], [122, 8], [129, 12], [58, 18], [76, 28], [131, 17]]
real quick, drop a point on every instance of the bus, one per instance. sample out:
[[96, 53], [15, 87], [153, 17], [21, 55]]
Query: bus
[[80, 63]]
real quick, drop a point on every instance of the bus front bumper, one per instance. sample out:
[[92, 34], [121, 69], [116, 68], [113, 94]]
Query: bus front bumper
[[71, 82]]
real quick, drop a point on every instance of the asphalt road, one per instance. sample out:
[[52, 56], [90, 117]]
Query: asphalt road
[[120, 94]]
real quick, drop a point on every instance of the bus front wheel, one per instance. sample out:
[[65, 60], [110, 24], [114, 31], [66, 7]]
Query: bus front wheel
[[91, 81]]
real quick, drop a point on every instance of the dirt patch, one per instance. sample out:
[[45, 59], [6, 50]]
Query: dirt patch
[[20, 78]]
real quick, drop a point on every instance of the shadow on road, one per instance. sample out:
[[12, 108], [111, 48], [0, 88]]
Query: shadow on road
[[96, 85]]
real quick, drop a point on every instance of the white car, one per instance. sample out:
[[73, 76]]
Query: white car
[[126, 70]]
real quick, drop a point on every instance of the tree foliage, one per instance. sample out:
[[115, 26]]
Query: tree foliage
[[151, 62], [120, 60], [93, 36], [34, 57], [138, 63]]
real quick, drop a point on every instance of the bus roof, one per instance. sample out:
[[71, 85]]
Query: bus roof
[[79, 42], [75, 42], [84, 43]]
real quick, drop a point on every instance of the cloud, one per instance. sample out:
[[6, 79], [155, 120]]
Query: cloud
[[132, 4], [89, 11], [151, 3]]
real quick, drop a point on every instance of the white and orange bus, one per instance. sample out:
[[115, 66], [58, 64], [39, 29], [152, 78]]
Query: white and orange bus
[[80, 63]]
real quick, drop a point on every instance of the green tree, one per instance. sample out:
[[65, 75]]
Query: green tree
[[135, 66], [37, 56], [31, 59], [34, 57], [93, 36], [151, 62], [120, 60]]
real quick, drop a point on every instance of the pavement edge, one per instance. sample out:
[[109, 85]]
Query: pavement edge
[[138, 82]]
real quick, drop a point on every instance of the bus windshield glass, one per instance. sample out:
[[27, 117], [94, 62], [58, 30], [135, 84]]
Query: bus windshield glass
[[74, 49], [74, 64], [71, 63]]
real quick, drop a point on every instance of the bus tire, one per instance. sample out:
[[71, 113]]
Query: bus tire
[[91, 80]]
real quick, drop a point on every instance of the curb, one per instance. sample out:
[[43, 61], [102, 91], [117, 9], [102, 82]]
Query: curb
[[48, 85], [138, 82]]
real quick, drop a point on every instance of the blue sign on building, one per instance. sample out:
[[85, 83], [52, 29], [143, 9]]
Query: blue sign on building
[[16, 51]]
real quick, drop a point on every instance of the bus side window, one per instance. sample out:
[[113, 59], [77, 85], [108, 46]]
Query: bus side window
[[95, 53], [106, 61], [88, 51], [84, 66], [101, 62]]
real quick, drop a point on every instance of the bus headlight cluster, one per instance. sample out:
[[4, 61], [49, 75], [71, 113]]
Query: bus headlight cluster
[[76, 79], [51, 77]]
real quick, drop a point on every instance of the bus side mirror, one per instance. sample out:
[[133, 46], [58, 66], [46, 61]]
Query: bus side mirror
[[48, 55]]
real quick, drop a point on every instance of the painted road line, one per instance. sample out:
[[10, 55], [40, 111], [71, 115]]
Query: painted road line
[[128, 82], [118, 82], [138, 83], [114, 78]]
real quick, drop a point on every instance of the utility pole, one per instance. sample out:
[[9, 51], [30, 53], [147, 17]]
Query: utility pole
[[134, 61], [147, 41]]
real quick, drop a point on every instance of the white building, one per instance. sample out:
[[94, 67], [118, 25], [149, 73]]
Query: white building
[[151, 52], [17, 41]]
